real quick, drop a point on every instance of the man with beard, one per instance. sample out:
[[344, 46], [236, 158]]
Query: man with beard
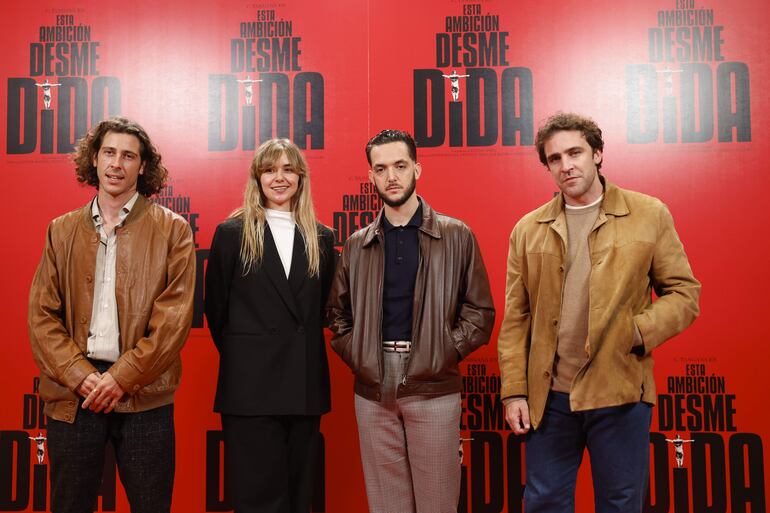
[[410, 299], [580, 325]]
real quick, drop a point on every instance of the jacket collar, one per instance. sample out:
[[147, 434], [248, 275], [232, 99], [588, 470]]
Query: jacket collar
[[613, 203], [429, 224], [136, 211]]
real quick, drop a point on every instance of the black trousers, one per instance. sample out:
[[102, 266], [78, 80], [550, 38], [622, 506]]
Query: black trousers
[[144, 450], [269, 462]]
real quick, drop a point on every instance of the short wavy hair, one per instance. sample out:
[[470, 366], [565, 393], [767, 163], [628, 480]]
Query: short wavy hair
[[569, 121], [154, 176]]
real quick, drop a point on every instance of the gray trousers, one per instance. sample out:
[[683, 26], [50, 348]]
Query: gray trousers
[[409, 447]]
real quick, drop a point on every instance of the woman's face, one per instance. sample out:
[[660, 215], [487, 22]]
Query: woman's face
[[279, 184]]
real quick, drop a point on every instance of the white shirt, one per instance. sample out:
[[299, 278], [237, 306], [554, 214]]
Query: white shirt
[[104, 332], [576, 208], [282, 227]]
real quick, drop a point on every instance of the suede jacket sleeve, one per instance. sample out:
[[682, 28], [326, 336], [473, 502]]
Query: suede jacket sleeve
[[515, 335], [673, 282]]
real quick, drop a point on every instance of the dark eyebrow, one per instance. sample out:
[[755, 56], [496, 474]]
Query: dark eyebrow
[[568, 150], [124, 152], [380, 165]]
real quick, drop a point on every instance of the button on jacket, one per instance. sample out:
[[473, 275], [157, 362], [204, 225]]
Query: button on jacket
[[453, 309], [154, 289], [634, 250]]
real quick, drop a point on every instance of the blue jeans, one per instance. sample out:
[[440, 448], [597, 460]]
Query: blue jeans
[[618, 442]]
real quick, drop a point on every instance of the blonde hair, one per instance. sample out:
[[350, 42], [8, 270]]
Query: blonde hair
[[254, 204]]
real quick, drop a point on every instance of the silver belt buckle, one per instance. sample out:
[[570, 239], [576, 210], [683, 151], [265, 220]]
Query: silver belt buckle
[[396, 346]]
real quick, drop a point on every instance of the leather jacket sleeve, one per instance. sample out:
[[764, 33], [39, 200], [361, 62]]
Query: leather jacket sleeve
[[339, 312], [170, 318], [55, 352], [476, 312]]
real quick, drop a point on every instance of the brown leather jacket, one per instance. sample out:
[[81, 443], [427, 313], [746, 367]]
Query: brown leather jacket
[[453, 316], [155, 281]]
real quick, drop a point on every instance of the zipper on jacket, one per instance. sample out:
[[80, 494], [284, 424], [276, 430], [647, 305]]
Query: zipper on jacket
[[414, 317], [379, 323]]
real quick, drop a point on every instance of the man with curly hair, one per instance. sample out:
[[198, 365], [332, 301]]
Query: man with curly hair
[[580, 325], [110, 308]]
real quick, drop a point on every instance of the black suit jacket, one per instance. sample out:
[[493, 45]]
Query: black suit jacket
[[268, 329]]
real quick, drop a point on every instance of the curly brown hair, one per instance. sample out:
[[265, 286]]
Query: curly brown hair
[[569, 121], [150, 182]]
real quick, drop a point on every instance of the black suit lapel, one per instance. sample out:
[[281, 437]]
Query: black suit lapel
[[271, 262], [298, 271]]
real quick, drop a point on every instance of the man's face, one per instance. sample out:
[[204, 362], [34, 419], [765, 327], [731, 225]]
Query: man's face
[[393, 173], [118, 164], [572, 164]]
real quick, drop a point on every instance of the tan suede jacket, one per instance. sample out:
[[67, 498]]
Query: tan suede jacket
[[155, 281], [454, 313], [634, 250]]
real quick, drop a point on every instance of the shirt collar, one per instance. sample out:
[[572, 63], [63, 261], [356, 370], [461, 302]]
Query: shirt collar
[[414, 222], [584, 208], [124, 211]]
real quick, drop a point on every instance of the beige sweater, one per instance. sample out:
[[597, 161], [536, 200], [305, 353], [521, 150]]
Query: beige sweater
[[573, 328]]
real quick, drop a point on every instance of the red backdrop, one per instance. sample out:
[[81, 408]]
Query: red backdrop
[[674, 84]]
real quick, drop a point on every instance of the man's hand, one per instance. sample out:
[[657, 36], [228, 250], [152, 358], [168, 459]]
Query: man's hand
[[105, 395], [88, 384], [517, 415]]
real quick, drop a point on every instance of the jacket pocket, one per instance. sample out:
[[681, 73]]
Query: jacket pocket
[[631, 366], [452, 356], [343, 346], [624, 331]]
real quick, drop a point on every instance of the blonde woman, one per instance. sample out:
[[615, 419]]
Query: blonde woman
[[268, 276]]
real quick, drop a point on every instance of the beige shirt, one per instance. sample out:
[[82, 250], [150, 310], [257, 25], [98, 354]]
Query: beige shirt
[[104, 332]]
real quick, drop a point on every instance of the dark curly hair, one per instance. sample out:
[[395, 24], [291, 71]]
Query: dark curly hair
[[150, 182], [569, 121], [389, 136]]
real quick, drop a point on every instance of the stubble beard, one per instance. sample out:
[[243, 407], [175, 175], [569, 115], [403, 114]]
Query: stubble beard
[[394, 203]]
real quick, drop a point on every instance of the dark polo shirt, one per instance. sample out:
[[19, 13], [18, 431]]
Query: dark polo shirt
[[402, 256]]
